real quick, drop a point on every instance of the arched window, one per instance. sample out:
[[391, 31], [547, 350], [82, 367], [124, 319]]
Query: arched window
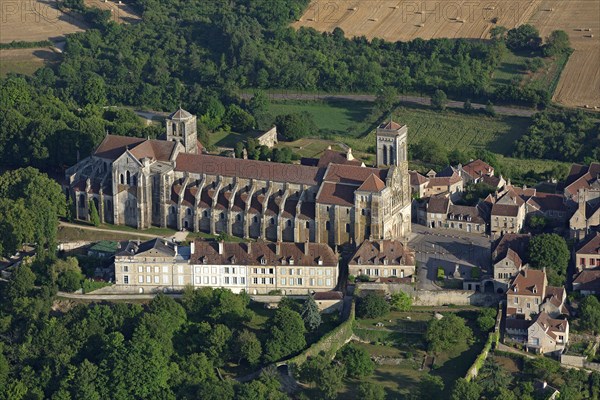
[[272, 221], [222, 215], [255, 219], [172, 209], [128, 178], [122, 179], [391, 154], [134, 180], [385, 155], [289, 223], [205, 214], [174, 127], [239, 217], [189, 211], [307, 224]]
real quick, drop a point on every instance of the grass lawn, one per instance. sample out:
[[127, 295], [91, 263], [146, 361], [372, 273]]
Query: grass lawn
[[336, 117], [69, 234]]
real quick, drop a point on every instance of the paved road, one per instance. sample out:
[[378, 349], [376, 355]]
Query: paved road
[[447, 249], [405, 99], [179, 236]]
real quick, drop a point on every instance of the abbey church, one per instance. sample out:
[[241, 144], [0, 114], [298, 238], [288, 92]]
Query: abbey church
[[172, 183]]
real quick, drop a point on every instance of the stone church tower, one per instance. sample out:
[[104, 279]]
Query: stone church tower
[[182, 128], [391, 144]]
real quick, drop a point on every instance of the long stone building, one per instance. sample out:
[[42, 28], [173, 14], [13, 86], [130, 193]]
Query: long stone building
[[171, 183]]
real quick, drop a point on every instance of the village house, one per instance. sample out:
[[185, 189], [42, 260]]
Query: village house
[[507, 213], [534, 312], [255, 268], [440, 212], [588, 255], [435, 184], [587, 282], [509, 255], [382, 258], [475, 171], [547, 335], [582, 195]]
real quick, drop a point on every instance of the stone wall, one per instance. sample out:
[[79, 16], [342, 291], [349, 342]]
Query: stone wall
[[269, 138], [436, 297]]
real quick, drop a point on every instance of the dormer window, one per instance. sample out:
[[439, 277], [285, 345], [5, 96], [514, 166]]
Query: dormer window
[[263, 260], [515, 288], [204, 260], [359, 260], [233, 259], [385, 261], [320, 261], [534, 289], [291, 260]]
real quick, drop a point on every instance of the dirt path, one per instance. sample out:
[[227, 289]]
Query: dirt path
[[179, 236], [410, 100]]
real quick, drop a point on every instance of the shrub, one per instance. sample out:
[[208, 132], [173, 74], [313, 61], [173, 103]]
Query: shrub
[[357, 361], [373, 305]]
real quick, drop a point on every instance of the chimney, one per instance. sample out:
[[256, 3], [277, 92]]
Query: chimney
[[193, 247], [306, 247], [175, 248], [278, 248], [249, 247], [544, 385], [349, 155], [221, 245]]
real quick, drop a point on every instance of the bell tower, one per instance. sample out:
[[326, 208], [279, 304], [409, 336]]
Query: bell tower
[[182, 128], [391, 144]]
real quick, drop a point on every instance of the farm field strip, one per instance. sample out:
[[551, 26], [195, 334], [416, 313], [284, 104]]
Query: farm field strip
[[408, 19]]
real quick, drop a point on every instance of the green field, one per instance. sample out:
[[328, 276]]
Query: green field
[[331, 117], [514, 68], [409, 349]]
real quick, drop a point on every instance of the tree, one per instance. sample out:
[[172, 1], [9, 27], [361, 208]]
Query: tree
[[370, 391], [247, 347], [443, 334], [490, 110], [439, 100], [373, 305], [492, 378], [523, 37], [550, 251], [486, 319], [431, 387], [239, 150], [590, 314], [537, 222], [325, 375], [94, 217], [356, 360], [465, 390], [558, 43], [386, 98], [534, 64], [311, 314], [467, 106], [401, 302], [21, 282], [286, 335], [295, 126]]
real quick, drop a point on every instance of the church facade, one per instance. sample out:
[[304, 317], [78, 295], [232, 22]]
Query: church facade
[[171, 183]]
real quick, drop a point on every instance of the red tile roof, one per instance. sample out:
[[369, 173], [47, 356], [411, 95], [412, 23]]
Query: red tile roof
[[443, 180], [438, 205], [526, 280], [505, 210], [330, 156], [372, 184], [351, 174], [416, 178], [249, 169], [252, 253], [584, 180], [588, 279], [390, 125], [113, 146], [518, 243], [338, 194], [477, 168], [592, 245], [372, 252]]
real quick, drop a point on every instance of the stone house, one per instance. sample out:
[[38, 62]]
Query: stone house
[[547, 335], [588, 255], [440, 212], [329, 302], [587, 282], [474, 171], [151, 266], [170, 183], [529, 294], [534, 311], [268, 138], [507, 214], [509, 255], [582, 196], [382, 258], [255, 268], [417, 184]]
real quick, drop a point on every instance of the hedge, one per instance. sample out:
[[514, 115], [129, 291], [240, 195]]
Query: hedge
[[493, 337], [329, 344]]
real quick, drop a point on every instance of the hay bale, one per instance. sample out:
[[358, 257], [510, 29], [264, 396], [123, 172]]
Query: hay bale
[[372, 19], [588, 29], [418, 12], [420, 25]]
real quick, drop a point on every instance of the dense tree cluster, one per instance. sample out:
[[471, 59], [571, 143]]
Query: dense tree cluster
[[373, 305], [562, 135], [443, 334], [165, 349], [30, 204], [550, 251]]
